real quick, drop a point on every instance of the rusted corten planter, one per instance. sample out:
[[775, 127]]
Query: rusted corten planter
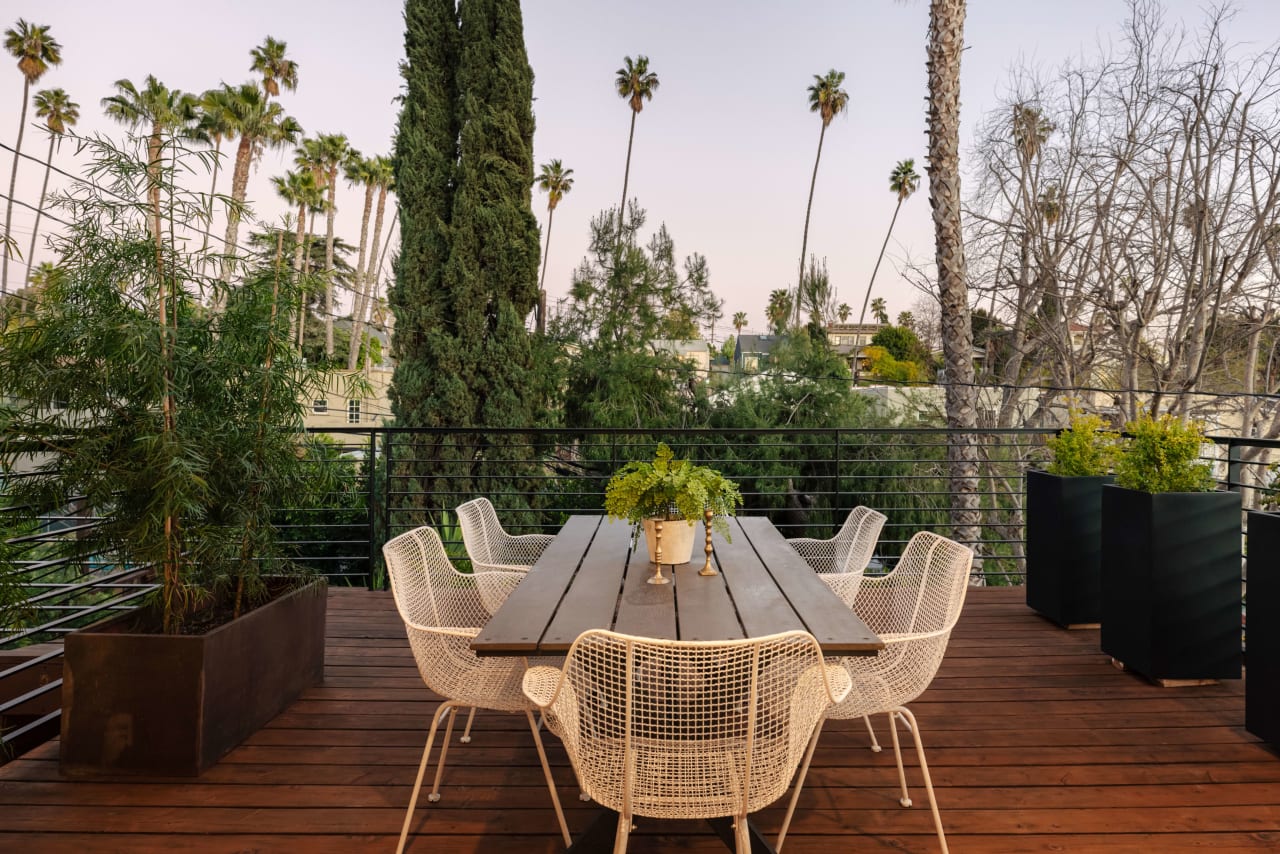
[[173, 705]]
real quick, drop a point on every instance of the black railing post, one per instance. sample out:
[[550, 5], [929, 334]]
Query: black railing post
[[1235, 466], [371, 503], [388, 445], [838, 503]]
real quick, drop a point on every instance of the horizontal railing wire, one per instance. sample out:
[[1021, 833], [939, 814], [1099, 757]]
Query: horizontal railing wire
[[388, 480]]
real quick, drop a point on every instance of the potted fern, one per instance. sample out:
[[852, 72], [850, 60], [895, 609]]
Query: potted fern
[[1064, 524], [1170, 559], [670, 490]]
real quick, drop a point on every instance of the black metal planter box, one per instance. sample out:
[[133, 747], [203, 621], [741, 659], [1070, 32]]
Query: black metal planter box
[[1064, 547], [1171, 583], [1262, 675], [173, 705]]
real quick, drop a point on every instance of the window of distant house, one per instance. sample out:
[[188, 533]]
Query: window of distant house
[[353, 412], [319, 406]]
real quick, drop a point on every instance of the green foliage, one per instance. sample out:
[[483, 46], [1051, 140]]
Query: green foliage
[[181, 429], [902, 343], [623, 295], [670, 488], [1084, 449], [1162, 455], [607, 387], [884, 366]]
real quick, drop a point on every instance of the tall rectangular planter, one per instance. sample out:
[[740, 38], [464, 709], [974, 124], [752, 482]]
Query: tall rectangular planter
[[1064, 547], [1262, 675], [1171, 583], [173, 705]]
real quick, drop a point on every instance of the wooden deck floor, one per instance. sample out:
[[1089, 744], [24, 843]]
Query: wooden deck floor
[[1036, 744]]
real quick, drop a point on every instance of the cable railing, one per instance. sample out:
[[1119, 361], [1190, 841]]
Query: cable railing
[[392, 479]]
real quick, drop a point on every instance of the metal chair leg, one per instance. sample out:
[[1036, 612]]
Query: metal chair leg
[[434, 797], [924, 769], [875, 745], [466, 733], [445, 708], [905, 800], [551, 783], [795, 794], [624, 833], [742, 834]]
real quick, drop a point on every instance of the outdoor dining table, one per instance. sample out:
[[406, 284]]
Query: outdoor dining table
[[590, 577]]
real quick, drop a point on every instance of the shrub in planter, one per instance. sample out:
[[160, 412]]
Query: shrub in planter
[[177, 420], [671, 490], [1064, 523], [1171, 559]]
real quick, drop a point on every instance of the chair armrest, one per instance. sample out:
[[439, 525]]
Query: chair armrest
[[541, 684], [477, 567], [839, 682], [843, 584]]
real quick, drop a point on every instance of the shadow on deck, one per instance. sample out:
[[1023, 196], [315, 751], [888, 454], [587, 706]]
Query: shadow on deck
[[1035, 742]]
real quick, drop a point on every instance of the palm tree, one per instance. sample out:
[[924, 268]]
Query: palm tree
[[903, 181], [880, 311], [381, 175], [159, 110], [358, 171], [739, 321], [843, 311], [779, 309], [945, 47], [636, 83], [216, 124], [259, 124], [331, 151], [35, 51], [276, 69], [555, 181], [827, 99], [59, 113], [299, 188]]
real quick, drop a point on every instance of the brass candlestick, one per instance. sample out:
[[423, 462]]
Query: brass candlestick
[[707, 568], [657, 578]]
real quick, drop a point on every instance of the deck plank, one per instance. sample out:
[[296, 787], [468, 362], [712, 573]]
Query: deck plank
[[1035, 744]]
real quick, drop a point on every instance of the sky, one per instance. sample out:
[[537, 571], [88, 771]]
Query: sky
[[723, 154]]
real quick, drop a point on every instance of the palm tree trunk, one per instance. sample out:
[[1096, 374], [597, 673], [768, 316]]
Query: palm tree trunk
[[239, 187], [945, 46], [306, 271], [804, 243], [328, 262], [213, 187], [374, 279], [862, 316], [374, 268], [541, 325], [13, 185], [297, 269], [358, 303], [44, 189], [626, 176]]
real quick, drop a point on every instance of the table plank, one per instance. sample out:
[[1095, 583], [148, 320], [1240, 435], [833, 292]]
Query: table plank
[[762, 608], [836, 628], [593, 597], [704, 609], [518, 626], [647, 610]]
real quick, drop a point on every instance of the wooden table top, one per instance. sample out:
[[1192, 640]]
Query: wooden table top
[[590, 578]]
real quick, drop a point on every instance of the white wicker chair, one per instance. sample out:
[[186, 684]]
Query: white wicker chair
[[442, 611], [913, 609], [850, 549], [490, 547], [686, 729]]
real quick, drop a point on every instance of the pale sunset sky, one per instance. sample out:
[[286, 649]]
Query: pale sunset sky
[[723, 154]]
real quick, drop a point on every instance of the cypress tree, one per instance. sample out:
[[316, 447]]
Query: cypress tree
[[492, 273], [468, 268], [426, 153]]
